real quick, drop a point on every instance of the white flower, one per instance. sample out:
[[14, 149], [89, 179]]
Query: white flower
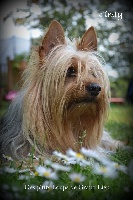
[[10, 170], [79, 158], [60, 155], [106, 171], [105, 161], [46, 172], [94, 154], [119, 167], [57, 166], [65, 159], [24, 170], [48, 162], [90, 153], [69, 161], [72, 157], [84, 163], [7, 157], [72, 153], [76, 177]]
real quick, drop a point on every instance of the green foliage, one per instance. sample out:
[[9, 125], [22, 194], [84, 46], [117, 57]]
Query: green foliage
[[120, 123], [19, 58], [119, 87], [3, 107]]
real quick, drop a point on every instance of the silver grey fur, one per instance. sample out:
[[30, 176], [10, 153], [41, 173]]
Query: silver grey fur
[[11, 134]]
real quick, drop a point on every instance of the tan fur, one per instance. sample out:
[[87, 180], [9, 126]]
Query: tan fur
[[51, 119]]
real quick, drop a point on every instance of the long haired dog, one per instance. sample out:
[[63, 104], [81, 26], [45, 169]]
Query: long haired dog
[[64, 100]]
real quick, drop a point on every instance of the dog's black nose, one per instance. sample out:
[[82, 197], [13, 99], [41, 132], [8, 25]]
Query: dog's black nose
[[94, 89]]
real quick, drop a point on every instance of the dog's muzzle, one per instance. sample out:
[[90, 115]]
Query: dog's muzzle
[[93, 89]]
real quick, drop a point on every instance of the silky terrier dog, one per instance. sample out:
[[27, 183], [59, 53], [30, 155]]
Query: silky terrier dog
[[64, 100]]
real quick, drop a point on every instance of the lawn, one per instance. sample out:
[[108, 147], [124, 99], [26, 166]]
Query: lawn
[[85, 175]]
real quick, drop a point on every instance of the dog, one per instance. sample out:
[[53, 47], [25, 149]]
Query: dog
[[64, 100]]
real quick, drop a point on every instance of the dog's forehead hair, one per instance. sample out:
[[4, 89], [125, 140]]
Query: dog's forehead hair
[[86, 61], [83, 56]]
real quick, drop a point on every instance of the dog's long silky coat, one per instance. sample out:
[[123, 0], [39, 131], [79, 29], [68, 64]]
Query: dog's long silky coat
[[64, 100]]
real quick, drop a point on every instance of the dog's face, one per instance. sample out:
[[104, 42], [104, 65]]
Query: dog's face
[[75, 72], [84, 81]]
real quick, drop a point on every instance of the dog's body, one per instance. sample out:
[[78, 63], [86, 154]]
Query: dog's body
[[64, 100]]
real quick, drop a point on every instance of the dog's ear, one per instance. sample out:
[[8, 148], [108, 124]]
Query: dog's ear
[[54, 36], [88, 41]]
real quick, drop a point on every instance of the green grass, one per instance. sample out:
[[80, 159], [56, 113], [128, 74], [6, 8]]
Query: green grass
[[120, 122], [3, 107], [120, 125]]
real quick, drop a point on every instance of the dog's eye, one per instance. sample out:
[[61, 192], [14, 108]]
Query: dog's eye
[[93, 74], [71, 72]]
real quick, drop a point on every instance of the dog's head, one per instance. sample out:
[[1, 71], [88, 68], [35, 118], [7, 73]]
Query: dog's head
[[68, 90], [73, 71]]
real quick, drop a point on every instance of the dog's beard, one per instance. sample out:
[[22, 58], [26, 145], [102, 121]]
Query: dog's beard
[[82, 101], [83, 116], [87, 106]]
